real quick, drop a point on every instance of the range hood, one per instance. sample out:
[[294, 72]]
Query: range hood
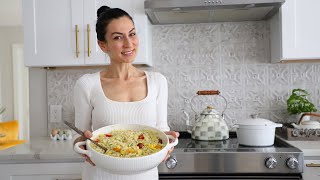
[[207, 11]]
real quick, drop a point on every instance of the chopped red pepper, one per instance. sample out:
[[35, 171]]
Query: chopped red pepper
[[141, 136], [140, 145], [108, 135], [97, 140]]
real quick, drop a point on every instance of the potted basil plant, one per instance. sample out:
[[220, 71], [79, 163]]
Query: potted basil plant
[[298, 103]]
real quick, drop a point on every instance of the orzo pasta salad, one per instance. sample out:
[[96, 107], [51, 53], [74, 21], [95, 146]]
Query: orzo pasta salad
[[129, 143]]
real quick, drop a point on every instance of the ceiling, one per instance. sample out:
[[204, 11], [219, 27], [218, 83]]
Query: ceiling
[[10, 13]]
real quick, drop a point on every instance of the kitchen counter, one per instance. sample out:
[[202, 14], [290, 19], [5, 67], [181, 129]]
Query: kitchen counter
[[41, 150], [45, 150], [309, 148]]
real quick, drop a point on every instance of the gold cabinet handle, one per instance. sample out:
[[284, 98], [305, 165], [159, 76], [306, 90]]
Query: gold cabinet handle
[[313, 165], [77, 42], [88, 36]]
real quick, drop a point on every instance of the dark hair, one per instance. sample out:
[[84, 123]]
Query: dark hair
[[105, 15]]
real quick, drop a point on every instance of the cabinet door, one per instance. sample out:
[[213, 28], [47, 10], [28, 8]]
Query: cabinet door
[[143, 27], [311, 170], [41, 171], [300, 29], [144, 31], [47, 177], [49, 36], [92, 52]]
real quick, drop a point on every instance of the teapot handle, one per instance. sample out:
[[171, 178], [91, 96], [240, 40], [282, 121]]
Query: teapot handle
[[307, 114], [209, 92]]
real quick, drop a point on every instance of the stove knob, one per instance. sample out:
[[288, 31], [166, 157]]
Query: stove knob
[[271, 162], [292, 163], [171, 163]]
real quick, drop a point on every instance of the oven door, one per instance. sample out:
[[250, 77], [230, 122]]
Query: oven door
[[229, 177]]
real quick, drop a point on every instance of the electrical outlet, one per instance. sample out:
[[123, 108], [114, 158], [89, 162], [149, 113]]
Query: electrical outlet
[[55, 113]]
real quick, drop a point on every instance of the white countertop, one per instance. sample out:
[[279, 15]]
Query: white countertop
[[309, 148], [39, 150], [45, 150]]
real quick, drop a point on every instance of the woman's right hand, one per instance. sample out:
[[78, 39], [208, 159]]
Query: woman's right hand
[[87, 134]]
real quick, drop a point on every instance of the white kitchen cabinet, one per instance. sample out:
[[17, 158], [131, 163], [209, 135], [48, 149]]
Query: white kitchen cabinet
[[295, 31], [62, 32], [41, 171], [50, 35], [143, 27], [311, 168]]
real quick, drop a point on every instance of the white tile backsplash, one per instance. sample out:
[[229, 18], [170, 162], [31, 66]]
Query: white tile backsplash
[[231, 57]]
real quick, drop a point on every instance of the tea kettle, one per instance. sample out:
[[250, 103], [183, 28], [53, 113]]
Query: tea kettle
[[209, 125], [310, 124]]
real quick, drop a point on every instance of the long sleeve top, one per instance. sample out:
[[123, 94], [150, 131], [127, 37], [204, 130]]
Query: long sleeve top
[[94, 109]]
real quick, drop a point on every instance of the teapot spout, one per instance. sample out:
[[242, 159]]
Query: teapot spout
[[187, 121], [295, 126]]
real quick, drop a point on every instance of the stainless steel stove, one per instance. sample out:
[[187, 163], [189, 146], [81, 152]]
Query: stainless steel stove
[[192, 159]]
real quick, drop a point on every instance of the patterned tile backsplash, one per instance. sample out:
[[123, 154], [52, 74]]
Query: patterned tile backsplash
[[231, 57]]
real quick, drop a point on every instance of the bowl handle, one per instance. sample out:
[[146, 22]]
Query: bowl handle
[[174, 143], [80, 150]]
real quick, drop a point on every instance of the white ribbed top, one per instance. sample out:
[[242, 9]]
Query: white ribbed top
[[93, 107]]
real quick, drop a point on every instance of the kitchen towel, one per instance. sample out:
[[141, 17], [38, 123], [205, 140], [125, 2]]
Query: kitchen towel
[[9, 132]]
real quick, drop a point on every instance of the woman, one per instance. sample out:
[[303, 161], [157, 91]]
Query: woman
[[121, 93]]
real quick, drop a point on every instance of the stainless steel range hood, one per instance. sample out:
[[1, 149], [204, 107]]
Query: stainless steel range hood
[[207, 11]]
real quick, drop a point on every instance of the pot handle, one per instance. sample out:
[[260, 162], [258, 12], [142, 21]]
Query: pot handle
[[80, 150], [174, 143]]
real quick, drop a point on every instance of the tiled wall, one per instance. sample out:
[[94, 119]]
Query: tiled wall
[[231, 57]]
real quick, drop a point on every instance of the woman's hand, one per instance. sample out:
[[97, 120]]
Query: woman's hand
[[175, 135], [88, 134]]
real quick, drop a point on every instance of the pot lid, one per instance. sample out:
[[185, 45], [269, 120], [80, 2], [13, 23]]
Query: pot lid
[[256, 121]]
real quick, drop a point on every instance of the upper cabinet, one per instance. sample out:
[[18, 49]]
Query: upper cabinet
[[143, 27], [295, 31], [62, 32]]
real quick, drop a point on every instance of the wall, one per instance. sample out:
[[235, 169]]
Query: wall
[[38, 102], [231, 57], [8, 35]]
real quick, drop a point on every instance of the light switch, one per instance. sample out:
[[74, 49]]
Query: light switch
[[55, 113]]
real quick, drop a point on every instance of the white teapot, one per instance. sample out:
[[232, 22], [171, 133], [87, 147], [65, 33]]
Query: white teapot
[[310, 124], [209, 125]]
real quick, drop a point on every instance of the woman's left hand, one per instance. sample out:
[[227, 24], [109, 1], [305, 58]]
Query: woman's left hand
[[175, 135]]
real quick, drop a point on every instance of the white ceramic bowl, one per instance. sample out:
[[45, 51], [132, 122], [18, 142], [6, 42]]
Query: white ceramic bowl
[[117, 165]]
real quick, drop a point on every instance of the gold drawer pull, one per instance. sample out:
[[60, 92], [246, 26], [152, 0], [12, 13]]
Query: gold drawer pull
[[77, 42], [312, 165], [88, 36]]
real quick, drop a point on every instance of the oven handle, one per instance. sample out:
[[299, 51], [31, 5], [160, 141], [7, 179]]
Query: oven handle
[[231, 177]]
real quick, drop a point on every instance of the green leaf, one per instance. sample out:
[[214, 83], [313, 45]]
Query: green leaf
[[298, 102]]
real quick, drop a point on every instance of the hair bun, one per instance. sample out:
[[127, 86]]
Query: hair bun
[[102, 10]]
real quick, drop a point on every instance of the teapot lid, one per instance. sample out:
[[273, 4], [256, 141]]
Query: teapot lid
[[209, 110]]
